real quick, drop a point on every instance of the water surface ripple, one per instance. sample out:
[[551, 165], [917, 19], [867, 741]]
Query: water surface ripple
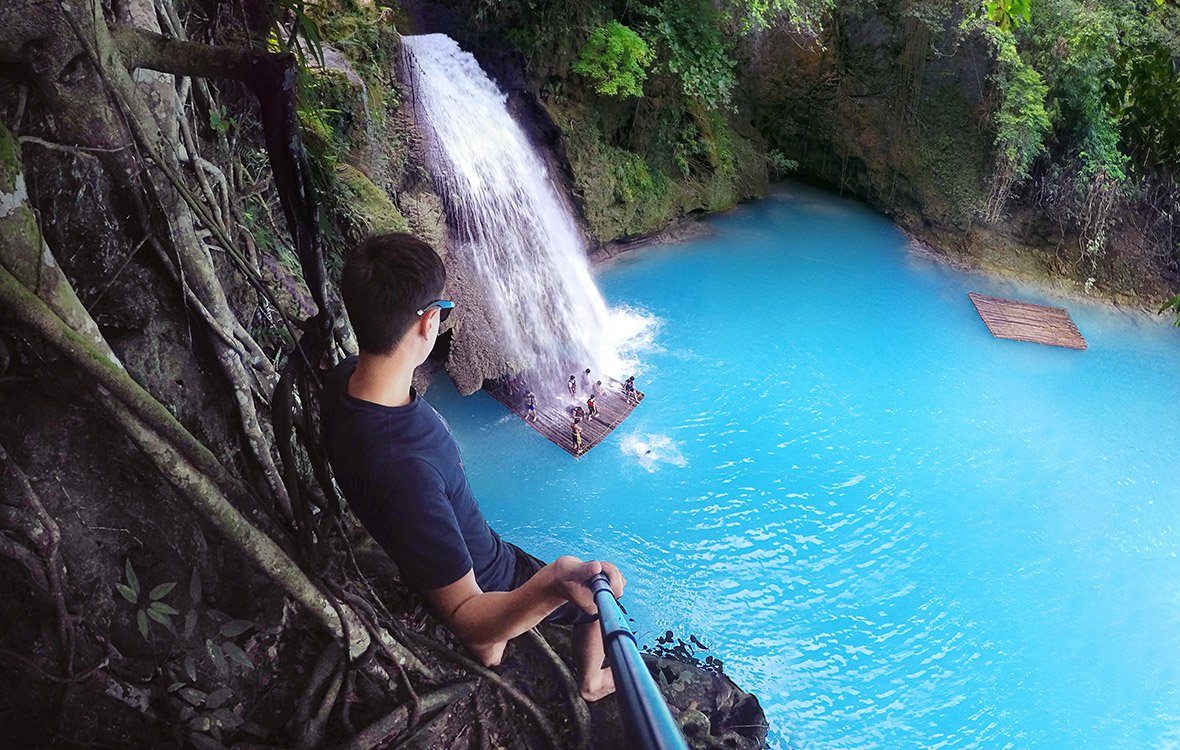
[[896, 530]]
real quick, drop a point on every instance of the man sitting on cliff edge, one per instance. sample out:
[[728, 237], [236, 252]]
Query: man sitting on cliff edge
[[399, 467]]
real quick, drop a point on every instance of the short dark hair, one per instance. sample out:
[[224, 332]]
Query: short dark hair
[[386, 280]]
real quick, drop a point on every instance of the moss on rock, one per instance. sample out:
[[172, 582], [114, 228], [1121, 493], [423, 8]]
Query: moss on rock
[[10, 166], [364, 207], [635, 174]]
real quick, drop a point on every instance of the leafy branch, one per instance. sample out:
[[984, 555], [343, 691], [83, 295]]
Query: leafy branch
[[303, 36], [1007, 14], [616, 59], [1173, 306], [153, 607]]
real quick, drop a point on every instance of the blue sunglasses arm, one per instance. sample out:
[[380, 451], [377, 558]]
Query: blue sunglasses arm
[[444, 304]]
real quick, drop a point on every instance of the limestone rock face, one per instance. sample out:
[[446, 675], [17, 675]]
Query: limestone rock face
[[475, 353], [869, 108], [897, 109], [712, 711]]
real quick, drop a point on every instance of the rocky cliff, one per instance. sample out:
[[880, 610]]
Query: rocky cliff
[[898, 107]]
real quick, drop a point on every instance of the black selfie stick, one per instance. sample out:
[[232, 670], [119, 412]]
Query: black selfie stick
[[649, 721]]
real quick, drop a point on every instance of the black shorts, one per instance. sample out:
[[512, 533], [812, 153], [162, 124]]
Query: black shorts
[[527, 566]]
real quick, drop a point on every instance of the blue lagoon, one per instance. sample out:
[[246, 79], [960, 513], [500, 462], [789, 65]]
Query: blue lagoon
[[894, 529]]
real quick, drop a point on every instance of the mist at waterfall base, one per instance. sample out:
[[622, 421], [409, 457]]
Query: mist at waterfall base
[[512, 233], [896, 530]]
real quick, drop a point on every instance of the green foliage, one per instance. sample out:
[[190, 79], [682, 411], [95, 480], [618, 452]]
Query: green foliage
[[321, 93], [692, 40], [616, 59], [1007, 14], [689, 149], [633, 180], [1074, 43], [220, 645], [780, 164], [1087, 70], [1145, 92], [1022, 121], [218, 119], [1172, 306], [364, 33], [206, 714], [150, 609], [359, 206], [302, 37], [752, 15], [717, 138], [691, 47]]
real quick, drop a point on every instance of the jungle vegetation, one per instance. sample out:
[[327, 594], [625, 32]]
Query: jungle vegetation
[[179, 180]]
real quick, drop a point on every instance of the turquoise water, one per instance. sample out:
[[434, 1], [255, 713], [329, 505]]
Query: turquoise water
[[896, 530]]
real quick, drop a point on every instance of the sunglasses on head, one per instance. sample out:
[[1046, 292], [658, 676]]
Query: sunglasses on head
[[444, 309]]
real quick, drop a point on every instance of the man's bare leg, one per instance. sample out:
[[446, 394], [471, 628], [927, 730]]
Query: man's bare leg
[[597, 679]]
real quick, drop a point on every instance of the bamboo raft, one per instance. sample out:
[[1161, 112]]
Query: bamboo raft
[[1023, 321], [555, 421]]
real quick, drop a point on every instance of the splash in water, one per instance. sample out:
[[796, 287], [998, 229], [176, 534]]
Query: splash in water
[[652, 450]]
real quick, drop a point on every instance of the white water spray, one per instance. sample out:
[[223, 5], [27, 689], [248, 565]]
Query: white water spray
[[507, 218]]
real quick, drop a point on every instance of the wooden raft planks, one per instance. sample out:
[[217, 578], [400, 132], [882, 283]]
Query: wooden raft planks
[[1024, 321], [554, 420]]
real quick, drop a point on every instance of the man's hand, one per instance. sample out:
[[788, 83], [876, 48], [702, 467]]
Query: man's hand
[[571, 574], [485, 621]]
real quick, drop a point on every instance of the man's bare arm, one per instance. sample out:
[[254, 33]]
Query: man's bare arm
[[486, 620]]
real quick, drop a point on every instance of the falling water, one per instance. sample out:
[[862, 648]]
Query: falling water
[[507, 218]]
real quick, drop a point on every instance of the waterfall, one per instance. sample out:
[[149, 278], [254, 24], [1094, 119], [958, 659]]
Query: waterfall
[[507, 220]]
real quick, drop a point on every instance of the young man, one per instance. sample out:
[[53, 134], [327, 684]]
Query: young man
[[399, 467]]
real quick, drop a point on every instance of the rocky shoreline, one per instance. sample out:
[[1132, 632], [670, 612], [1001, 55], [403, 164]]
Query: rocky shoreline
[[1003, 263]]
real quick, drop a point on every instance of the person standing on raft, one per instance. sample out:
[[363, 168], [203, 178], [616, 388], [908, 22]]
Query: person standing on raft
[[577, 435], [400, 470], [629, 392]]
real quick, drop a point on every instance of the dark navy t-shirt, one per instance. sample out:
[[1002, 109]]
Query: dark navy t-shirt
[[400, 470]]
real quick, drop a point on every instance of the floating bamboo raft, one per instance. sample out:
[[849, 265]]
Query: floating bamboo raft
[[555, 421], [1022, 321]]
